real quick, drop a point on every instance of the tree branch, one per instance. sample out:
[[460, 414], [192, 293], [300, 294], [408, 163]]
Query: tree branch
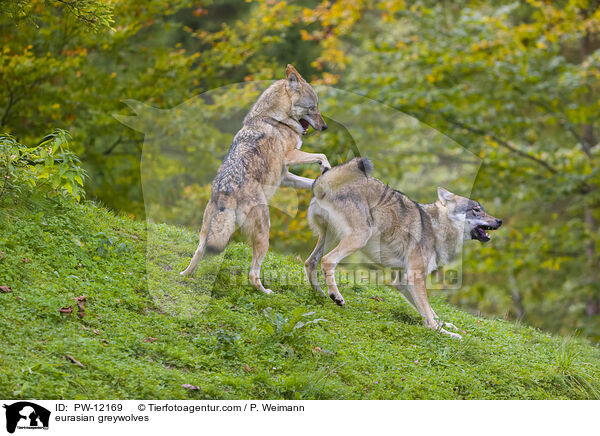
[[11, 102], [110, 149], [502, 143]]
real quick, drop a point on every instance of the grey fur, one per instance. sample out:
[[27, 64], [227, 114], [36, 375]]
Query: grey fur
[[358, 212], [256, 165]]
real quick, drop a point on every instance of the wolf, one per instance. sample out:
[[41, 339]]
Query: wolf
[[256, 165], [359, 212]]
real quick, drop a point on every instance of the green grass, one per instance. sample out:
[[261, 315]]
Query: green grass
[[215, 332]]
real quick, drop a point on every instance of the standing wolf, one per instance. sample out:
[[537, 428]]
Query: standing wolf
[[256, 165], [360, 212]]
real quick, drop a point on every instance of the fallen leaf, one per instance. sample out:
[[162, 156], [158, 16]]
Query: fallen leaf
[[2, 254], [190, 387], [247, 368], [81, 300], [150, 339], [75, 361], [376, 298], [17, 298], [316, 349], [66, 309], [97, 331], [26, 260], [5, 289], [104, 340], [84, 327]]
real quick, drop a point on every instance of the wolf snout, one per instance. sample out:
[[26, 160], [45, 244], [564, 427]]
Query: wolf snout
[[323, 127], [498, 222]]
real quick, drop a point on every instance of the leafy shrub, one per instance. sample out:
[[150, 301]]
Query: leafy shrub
[[48, 167], [106, 244], [277, 325]]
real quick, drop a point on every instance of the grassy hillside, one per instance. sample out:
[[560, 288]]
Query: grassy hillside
[[216, 333]]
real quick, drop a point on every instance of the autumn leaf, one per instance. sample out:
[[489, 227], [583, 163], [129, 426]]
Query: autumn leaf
[[75, 361], [80, 302], [191, 387]]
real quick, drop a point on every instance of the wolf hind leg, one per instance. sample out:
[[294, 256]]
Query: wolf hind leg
[[256, 227], [347, 245], [199, 253], [311, 264]]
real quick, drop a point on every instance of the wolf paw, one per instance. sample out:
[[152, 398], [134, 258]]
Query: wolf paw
[[450, 326], [452, 335], [268, 291], [339, 300]]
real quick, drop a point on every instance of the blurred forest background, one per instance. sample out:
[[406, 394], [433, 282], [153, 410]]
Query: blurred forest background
[[515, 83]]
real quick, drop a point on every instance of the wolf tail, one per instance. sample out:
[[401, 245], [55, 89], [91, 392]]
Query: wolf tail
[[222, 226], [340, 175]]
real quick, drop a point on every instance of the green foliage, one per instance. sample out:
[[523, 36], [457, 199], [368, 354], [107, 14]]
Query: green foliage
[[49, 167], [93, 14]]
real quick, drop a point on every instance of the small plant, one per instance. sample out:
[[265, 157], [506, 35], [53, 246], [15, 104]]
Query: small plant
[[48, 165], [565, 358], [105, 245], [227, 342], [572, 375], [276, 324]]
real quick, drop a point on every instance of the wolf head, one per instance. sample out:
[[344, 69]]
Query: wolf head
[[304, 101], [476, 220], [291, 101]]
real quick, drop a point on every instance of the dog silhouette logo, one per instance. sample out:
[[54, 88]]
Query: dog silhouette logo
[[26, 415]]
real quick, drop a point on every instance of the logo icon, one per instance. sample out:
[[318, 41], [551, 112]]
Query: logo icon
[[26, 415]]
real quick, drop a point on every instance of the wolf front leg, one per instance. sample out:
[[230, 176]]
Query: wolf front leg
[[293, 181], [405, 291], [417, 297], [299, 157]]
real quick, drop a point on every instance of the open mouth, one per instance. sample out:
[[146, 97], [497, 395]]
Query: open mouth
[[305, 125], [480, 233]]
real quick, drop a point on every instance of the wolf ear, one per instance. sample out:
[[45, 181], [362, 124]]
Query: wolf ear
[[292, 77], [444, 196]]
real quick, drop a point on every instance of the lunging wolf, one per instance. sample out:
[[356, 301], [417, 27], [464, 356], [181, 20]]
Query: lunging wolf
[[256, 165], [359, 212]]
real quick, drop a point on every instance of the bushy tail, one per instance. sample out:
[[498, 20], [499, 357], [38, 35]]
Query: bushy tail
[[222, 226], [340, 175]]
